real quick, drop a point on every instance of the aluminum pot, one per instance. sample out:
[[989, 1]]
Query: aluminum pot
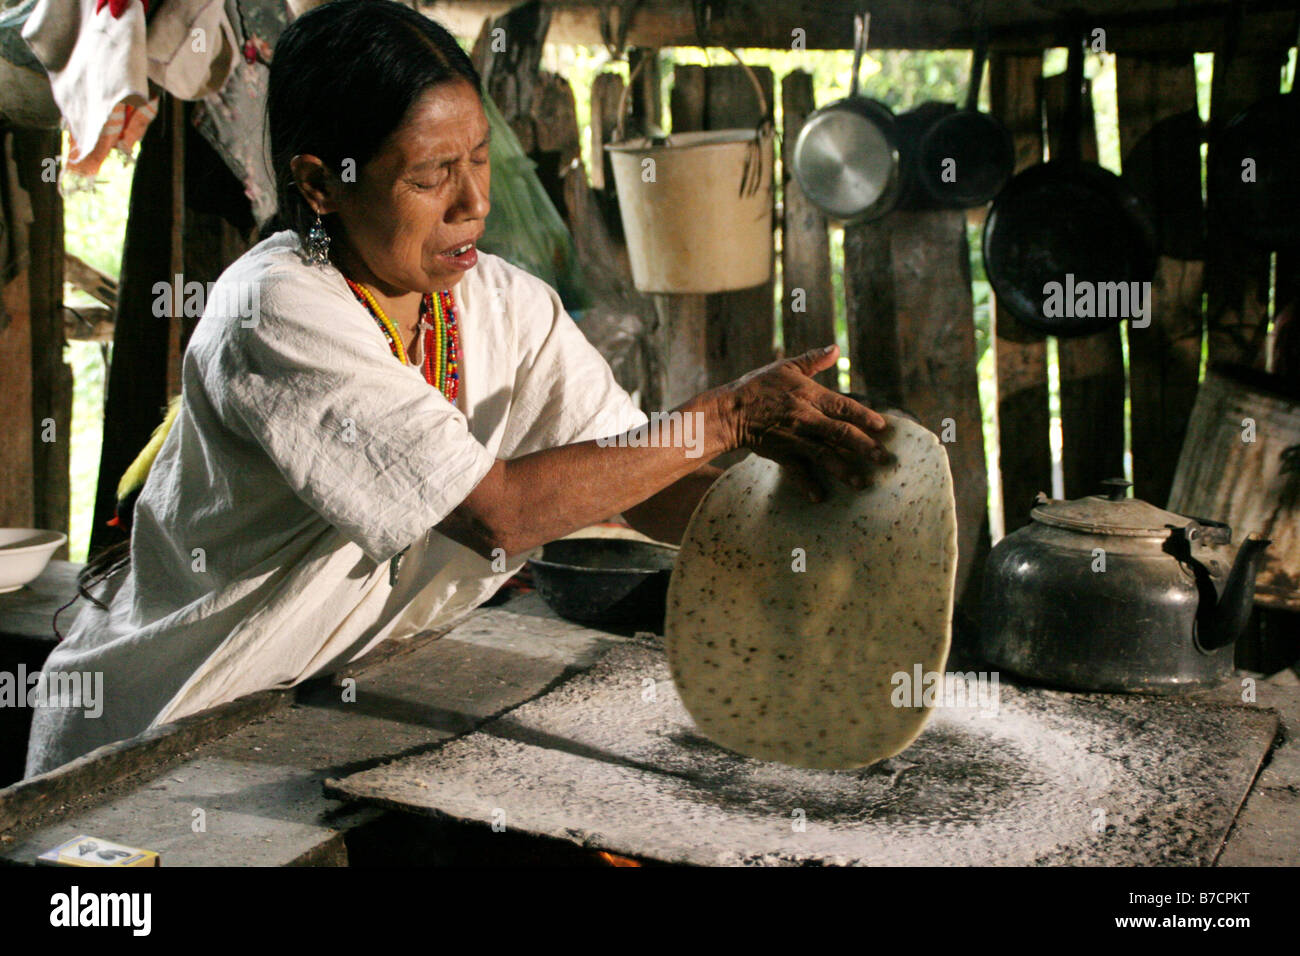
[[847, 156]]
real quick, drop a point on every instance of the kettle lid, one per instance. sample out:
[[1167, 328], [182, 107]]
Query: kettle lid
[[1108, 513]]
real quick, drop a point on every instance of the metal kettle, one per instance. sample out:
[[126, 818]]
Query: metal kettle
[[1110, 593]]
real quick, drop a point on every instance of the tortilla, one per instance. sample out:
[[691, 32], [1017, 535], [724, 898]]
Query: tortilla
[[802, 666]]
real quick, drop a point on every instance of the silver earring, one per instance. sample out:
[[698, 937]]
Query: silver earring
[[318, 244]]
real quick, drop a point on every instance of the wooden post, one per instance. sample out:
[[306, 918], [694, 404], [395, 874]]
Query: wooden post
[[742, 323], [1025, 453], [1164, 358], [510, 69], [174, 114], [647, 100], [912, 329], [682, 341], [1237, 275], [606, 93], [558, 145], [1092, 366], [17, 497], [807, 305], [37, 155]]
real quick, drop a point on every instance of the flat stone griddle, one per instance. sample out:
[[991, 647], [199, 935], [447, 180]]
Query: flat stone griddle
[[610, 760]]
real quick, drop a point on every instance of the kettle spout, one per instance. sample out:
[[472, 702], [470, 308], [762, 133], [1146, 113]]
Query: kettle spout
[[1236, 597]]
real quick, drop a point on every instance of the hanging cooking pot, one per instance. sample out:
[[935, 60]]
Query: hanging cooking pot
[[1109, 593], [955, 158], [1065, 226], [846, 158]]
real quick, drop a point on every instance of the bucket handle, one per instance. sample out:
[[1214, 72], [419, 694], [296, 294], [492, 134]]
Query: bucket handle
[[620, 130]]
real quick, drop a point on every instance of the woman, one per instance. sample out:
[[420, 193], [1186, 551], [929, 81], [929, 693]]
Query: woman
[[373, 449]]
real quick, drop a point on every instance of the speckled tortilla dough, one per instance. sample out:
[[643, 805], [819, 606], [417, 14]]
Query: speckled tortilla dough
[[797, 667]]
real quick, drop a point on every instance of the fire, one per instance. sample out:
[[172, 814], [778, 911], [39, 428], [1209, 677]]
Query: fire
[[614, 860]]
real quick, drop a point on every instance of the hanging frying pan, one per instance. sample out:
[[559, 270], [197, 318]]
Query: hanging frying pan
[[1253, 169], [846, 158], [965, 157], [1254, 173], [1066, 222], [1164, 168]]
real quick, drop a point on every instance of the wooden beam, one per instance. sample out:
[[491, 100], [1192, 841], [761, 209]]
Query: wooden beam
[[1091, 366], [647, 98], [90, 280], [1236, 274], [682, 335], [94, 324], [606, 93], [16, 486], [510, 69], [742, 324], [1165, 357], [1025, 454], [37, 153], [912, 326], [807, 303], [1025, 26]]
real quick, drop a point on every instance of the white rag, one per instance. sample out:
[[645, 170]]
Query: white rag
[[99, 64]]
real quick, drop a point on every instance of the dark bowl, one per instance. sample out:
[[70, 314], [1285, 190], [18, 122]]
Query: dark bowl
[[606, 581]]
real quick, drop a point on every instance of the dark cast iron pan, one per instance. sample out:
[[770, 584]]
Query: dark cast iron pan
[[1064, 217], [1164, 168], [1262, 210], [978, 145]]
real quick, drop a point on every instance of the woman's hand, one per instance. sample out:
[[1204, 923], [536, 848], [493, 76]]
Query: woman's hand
[[779, 412]]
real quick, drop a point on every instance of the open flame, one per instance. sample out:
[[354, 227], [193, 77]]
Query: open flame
[[612, 859]]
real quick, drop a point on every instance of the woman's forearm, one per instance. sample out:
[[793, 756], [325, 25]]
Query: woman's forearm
[[528, 501], [664, 516]]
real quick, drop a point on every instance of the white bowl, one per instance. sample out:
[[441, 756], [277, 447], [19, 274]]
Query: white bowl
[[24, 553]]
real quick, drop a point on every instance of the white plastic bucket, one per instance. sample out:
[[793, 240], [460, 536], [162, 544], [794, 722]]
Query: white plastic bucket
[[697, 208]]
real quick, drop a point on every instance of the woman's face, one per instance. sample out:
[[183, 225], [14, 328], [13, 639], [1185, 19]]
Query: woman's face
[[417, 209]]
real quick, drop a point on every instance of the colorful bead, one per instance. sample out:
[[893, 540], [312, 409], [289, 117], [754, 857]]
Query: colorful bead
[[441, 337]]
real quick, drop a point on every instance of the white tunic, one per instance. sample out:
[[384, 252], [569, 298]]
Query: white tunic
[[304, 457]]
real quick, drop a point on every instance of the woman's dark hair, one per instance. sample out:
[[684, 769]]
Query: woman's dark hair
[[343, 76]]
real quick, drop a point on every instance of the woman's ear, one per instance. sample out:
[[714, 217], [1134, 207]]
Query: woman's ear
[[316, 183]]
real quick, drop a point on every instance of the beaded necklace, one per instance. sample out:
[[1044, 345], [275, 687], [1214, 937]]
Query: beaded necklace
[[441, 337], [441, 353]]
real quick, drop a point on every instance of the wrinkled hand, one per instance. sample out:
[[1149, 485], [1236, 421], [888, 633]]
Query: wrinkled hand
[[779, 412]]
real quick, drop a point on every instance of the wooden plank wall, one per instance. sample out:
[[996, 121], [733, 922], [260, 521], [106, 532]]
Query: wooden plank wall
[[1165, 357], [911, 326], [37, 399], [737, 328], [1025, 453], [1091, 366], [807, 306]]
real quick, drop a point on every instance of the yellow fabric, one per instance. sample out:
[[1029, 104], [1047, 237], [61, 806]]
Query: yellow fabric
[[134, 477]]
